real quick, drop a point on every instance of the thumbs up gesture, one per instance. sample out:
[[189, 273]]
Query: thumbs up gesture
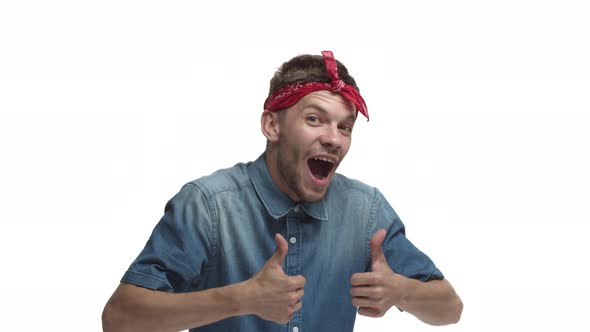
[[376, 291], [274, 295]]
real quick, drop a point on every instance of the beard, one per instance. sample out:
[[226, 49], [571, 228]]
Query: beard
[[287, 165], [289, 158]]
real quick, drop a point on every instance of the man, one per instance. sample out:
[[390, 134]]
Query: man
[[283, 243]]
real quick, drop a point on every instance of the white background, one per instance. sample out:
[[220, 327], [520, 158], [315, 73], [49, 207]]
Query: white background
[[478, 138]]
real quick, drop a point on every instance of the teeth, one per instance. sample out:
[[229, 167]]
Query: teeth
[[324, 159]]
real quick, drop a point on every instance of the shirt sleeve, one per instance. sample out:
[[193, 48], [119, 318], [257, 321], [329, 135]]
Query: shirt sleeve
[[179, 248], [403, 257]]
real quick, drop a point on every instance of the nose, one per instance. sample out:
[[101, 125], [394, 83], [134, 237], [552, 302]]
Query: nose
[[331, 137]]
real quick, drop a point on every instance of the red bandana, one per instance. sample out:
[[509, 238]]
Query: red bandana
[[287, 96]]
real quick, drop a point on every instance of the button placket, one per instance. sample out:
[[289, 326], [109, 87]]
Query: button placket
[[293, 260]]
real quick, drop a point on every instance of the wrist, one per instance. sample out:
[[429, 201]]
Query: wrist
[[407, 287], [242, 302]]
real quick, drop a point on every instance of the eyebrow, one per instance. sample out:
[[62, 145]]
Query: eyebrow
[[325, 112]]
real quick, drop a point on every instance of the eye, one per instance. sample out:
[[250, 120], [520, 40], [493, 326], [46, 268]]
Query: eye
[[312, 119], [346, 128]]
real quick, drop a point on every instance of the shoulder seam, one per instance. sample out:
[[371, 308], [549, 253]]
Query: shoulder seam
[[371, 224], [208, 194], [212, 211]]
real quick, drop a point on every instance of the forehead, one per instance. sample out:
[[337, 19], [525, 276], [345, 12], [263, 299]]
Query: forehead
[[328, 102]]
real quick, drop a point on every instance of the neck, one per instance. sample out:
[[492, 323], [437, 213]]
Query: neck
[[272, 164]]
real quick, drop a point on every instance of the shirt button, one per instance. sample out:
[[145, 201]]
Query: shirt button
[[296, 209], [293, 240], [295, 329]]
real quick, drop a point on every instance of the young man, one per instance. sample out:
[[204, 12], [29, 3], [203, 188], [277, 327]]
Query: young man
[[283, 243]]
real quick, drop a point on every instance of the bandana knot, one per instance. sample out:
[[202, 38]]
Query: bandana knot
[[337, 86], [287, 96]]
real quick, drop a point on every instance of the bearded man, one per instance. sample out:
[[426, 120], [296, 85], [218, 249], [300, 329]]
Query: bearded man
[[283, 243]]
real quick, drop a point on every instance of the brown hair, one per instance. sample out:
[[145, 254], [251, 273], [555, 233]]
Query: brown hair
[[306, 68]]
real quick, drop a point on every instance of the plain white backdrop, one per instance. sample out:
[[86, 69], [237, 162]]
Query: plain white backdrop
[[479, 138]]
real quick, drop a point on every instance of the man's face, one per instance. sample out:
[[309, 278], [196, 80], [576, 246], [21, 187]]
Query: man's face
[[314, 137]]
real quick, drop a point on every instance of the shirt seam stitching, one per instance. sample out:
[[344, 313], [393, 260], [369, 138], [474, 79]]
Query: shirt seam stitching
[[211, 194], [371, 223], [203, 190], [151, 277]]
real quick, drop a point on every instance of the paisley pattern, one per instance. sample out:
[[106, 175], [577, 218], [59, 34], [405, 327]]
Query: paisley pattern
[[287, 96]]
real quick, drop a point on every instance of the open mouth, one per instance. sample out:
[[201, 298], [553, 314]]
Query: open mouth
[[320, 167]]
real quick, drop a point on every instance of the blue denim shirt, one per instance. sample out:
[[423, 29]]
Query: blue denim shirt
[[219, 230]]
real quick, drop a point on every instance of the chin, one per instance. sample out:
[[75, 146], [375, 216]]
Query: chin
[[313, 196]]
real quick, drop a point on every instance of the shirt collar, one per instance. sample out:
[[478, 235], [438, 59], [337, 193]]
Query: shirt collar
[[276, 202]]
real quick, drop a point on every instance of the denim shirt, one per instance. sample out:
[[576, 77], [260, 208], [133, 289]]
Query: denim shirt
[[219, 230]]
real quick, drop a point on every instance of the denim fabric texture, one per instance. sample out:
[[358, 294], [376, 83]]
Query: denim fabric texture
[[219, 230]]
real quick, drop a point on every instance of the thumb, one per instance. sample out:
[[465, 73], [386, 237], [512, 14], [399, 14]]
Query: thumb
[[281, 251], [377, 255]]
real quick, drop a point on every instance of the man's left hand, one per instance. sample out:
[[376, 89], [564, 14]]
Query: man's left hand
[[376, 291]]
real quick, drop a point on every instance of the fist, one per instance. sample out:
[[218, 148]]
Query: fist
[[376, 291], [275, 295]]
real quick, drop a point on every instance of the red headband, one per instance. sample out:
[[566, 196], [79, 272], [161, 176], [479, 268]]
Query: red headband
[[287, 96]]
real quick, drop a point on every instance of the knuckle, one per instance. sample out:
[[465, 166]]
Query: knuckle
[[294, 307], [376, 292], [378, 279], [293, 297], [298, 282], [300, 295]]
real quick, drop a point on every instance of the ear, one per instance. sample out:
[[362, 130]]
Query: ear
[[269, 124]]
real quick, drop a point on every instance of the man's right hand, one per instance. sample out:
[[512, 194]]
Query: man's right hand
[[274, 295]]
